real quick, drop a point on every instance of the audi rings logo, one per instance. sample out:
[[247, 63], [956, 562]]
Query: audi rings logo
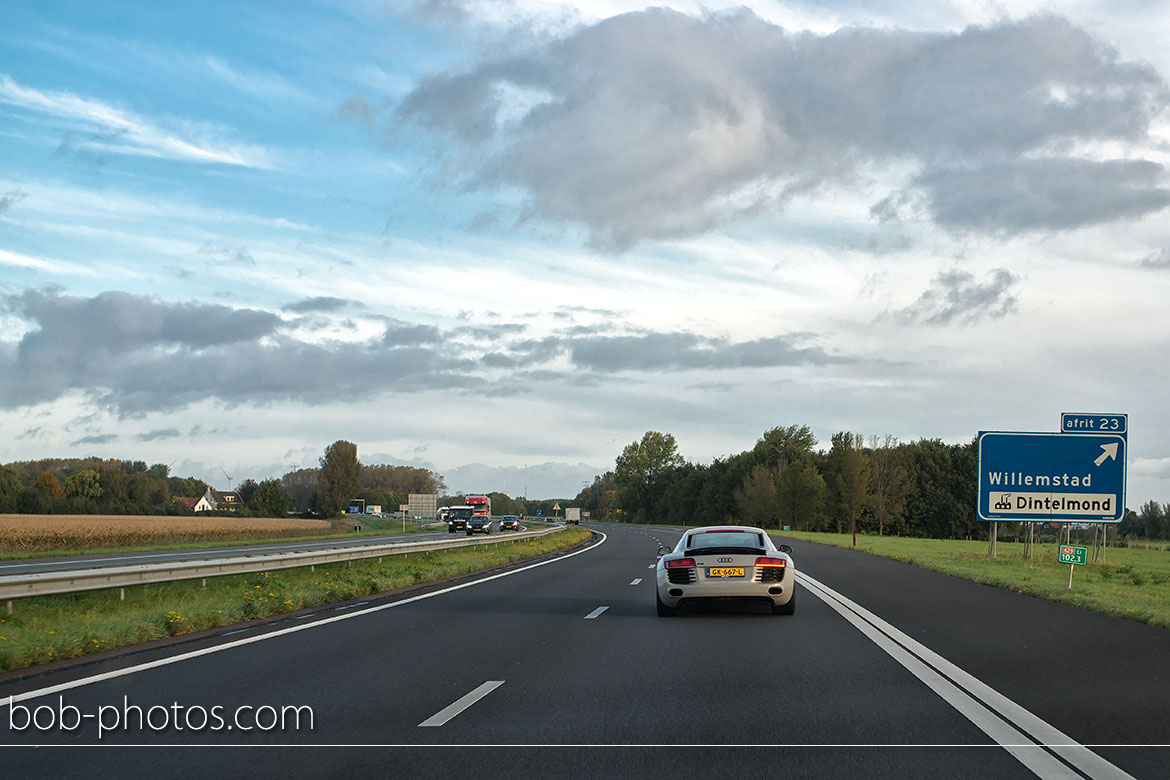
[[723, 560]]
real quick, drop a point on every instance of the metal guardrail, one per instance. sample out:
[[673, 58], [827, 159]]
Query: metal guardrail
[[76, 580]]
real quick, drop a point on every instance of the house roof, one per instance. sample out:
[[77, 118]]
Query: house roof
[[191, 502]]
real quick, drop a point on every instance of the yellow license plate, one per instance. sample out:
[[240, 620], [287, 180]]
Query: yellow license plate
[[725, 572]]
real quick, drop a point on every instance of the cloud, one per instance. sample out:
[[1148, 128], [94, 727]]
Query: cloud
[[159, 433], [135, 354], [321, 303], [357, 109], [955, 296], [9, 198], [112, 129], [657, 124], [104, 438], [1053, 193], [400, 334], [681, 351], [1158, 261]]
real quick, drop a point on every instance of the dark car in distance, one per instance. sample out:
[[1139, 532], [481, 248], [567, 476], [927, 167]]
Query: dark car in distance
[[510, 523], [480, 524]]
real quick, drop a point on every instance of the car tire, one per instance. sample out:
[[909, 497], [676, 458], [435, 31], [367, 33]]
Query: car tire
[[786, 609], [663, 610]]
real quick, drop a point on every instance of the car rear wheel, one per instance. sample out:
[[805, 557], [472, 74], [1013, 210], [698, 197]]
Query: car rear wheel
[[663, 610], [786, 609]]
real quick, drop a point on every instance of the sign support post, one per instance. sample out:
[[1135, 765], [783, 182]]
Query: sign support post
[[1073, 555]]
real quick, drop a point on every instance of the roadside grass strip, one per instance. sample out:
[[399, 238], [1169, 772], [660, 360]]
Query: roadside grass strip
[[195, 541], [1132, 583], [69, 625]]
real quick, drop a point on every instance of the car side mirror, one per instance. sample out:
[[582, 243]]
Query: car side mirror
[[662, 551], [785, 548]]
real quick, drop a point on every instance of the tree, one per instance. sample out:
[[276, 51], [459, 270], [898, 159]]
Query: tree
[[640, 466], [301, 486], [9, 488], [1153, 520], [338, 480], [401, 479], [49, 485], [186, 488], [850, 477], [794, 443], [246, 491], [84, 484], [756, 497], [800, 497], [889, 481], [271, 499]]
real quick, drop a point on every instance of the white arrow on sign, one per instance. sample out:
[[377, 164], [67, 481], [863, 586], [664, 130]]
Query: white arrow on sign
[[1110, 451]]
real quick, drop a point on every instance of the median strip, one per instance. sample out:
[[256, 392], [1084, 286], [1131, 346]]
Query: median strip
[[101, 577]]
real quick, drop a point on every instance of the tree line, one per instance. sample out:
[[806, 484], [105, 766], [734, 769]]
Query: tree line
[[131, 487], [877, 486]]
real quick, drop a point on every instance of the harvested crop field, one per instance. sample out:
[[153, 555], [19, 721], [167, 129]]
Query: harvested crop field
[[34, 533]]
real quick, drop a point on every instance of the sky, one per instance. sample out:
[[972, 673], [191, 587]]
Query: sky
[[503, 240]]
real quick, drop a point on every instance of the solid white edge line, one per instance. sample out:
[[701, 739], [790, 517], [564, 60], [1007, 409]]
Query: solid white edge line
[[460, 704], [449, 745], [1035, 758], [1068, 748], [596, 612], [14, 698], [1041, 731]]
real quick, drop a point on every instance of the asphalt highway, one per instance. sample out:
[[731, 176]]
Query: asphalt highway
[[562, 669]]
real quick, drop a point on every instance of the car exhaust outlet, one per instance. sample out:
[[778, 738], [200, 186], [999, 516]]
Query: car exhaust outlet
[[675, 591], [775, 591]]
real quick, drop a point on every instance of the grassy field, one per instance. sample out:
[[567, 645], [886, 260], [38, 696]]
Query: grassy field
[[50, 628], [22, 534], [1132, 583]]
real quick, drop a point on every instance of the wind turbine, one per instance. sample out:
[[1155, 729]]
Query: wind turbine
[[229, 476]]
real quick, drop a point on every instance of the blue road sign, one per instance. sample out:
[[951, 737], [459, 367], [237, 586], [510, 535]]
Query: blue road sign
[[1086, 422], [1052, 477]]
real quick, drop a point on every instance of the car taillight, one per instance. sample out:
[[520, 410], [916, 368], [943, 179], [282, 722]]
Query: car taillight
[[762, 561], [681, 563]]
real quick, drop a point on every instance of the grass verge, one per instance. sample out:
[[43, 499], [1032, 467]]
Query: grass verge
[[69, 625], [180, 544], [1133, 583]]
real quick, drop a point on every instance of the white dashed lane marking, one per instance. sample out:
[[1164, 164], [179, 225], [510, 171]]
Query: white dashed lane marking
[[459, 705]]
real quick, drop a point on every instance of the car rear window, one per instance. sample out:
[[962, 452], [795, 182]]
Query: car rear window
[[712, 539]]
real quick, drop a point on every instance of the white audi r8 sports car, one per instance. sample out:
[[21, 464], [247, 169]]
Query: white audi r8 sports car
[[726, 563]]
